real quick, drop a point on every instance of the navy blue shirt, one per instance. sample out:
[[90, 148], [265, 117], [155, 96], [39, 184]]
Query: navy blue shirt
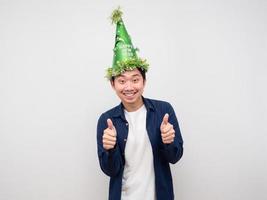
[[112, 161]]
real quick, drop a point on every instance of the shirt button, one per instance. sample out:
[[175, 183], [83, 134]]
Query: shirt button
[[126, 124], [125, 139]]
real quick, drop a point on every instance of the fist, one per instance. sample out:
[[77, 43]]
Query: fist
[[110, 136], [167, 131]]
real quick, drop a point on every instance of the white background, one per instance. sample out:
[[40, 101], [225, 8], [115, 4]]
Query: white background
[[208, 58]]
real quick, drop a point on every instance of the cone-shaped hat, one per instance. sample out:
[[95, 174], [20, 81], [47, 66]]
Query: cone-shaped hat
[[125, 56]]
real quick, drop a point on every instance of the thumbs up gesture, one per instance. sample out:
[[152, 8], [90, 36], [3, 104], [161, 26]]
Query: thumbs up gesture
[[110, 136], [167, 131]]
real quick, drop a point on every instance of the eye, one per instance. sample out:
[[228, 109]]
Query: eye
[[135, 80], [121, 81]]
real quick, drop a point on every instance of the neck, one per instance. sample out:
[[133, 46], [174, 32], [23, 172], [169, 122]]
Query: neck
[[133, 107]]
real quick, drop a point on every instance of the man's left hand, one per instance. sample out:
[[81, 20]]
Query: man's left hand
[[167, 131]]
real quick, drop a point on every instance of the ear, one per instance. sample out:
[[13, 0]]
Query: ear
[[112, 83]]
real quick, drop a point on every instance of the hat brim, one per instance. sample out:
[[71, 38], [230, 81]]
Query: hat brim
[[127, 65]]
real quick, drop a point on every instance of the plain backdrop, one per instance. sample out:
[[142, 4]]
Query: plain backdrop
[[208, 58]]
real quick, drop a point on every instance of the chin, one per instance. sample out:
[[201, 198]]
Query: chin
[[132, 100], [129, 100]]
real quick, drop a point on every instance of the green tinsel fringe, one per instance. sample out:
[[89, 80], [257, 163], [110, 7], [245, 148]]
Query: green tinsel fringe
[[116, 15], [128, 65]]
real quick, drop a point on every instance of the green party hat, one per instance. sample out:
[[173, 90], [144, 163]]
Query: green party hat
[[125, 57]]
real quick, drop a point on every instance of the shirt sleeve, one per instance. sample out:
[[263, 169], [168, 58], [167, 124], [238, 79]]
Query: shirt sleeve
[[110, 160]]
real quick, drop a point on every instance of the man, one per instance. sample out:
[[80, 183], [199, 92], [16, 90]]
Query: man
[[137, 139]]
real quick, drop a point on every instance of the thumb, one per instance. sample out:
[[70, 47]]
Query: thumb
[[165, 119], [110, 124]]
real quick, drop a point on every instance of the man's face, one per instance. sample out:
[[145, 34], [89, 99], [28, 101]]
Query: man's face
[[129, 87]]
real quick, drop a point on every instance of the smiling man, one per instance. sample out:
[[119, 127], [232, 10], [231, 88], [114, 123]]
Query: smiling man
[[137, 139]]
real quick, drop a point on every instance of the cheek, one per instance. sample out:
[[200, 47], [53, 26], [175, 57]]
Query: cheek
[[118, 88], [140, 87]]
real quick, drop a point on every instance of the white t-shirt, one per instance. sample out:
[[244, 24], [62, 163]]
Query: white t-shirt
[[138, 181]]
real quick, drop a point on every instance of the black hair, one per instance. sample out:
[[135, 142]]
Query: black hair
[[143, 73]]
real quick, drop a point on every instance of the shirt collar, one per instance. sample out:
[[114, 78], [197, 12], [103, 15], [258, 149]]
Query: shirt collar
[[119, 110]]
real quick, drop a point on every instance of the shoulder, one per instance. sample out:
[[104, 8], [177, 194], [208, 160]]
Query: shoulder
[[158, 103], [159, 106], [111, 110], [109, 113]]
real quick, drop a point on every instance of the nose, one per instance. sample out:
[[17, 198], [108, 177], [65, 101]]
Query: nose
[[128, 85]]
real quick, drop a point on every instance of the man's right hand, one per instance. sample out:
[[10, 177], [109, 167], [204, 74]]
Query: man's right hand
[[110, 136]]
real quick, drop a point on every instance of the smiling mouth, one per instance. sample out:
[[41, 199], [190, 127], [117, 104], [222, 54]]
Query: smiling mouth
[[129, 94]]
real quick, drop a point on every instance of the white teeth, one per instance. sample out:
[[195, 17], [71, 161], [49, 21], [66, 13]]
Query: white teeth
[[128, 94]]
